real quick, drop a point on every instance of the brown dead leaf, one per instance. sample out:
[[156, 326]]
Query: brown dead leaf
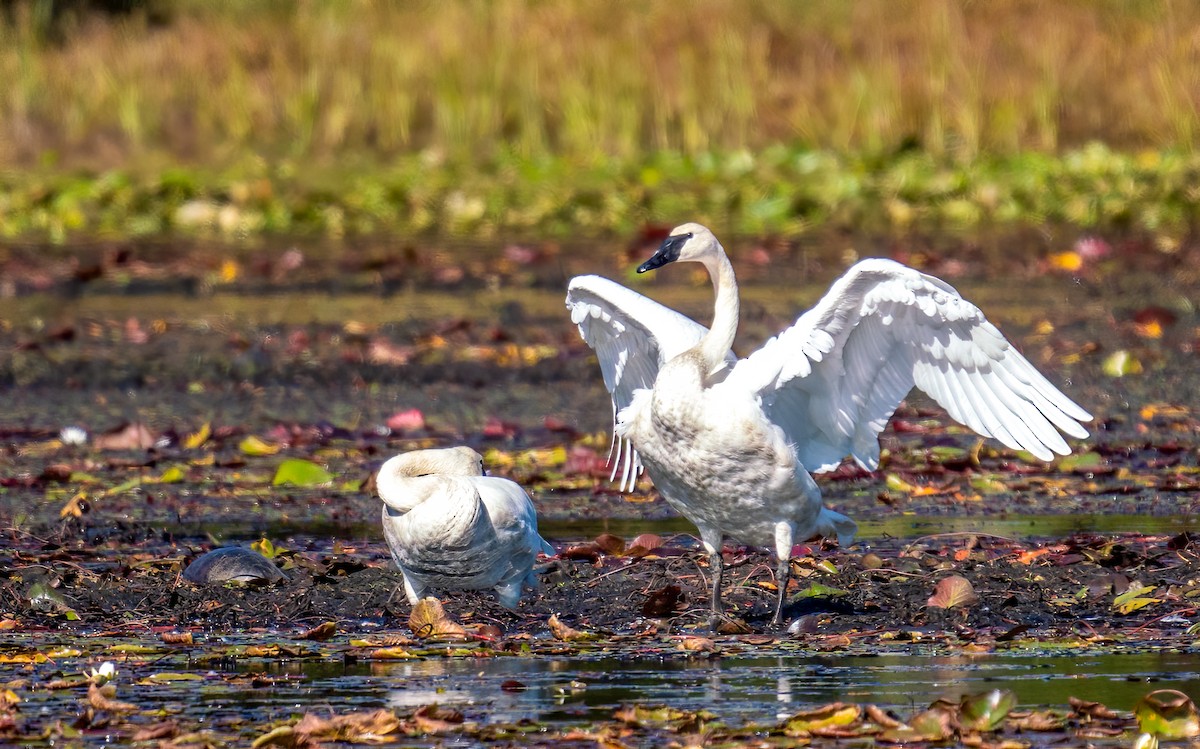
[[567, 633], [322, 631], [1092, 709], [643, 545], [730, 625], [1027, 557], [584, 552], [429, 620], [610, 544], [880, 717], [437, 719], [131, 436], [698, 645], [953, 592], [103, 698], [362, 727], [177, 638], [167, 729], [1045, 720], [662, 602]]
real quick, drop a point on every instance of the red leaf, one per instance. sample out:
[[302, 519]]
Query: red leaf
[[406, 421]]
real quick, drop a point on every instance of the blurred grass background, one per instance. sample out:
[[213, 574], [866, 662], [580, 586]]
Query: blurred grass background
[[207, 82]]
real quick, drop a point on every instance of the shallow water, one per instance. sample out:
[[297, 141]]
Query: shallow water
[[745, 685]]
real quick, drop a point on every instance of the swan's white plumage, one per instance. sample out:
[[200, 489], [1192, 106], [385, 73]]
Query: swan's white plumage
[[730, 443], [881, 329], [449, 527]]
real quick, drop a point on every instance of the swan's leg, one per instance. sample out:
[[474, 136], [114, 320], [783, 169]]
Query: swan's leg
[[414, 591], [711, 538], [509, 593], [784, 535]]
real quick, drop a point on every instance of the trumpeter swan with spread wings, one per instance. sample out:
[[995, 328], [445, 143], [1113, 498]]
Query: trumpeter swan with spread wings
[[730, 443], [451, 527]]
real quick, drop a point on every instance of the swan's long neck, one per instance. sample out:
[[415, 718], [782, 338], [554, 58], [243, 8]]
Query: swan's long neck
[[403, 493], [719, 339]]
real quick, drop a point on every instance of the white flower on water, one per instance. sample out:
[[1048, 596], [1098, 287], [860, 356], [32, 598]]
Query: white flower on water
[[106, 673], [73, 436]]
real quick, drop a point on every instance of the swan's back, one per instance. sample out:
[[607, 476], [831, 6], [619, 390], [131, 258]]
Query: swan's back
[[464, 531]]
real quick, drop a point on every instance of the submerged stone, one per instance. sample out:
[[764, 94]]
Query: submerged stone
[[232, 564]]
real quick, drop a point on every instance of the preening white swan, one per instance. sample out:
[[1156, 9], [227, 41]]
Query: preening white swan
[[730, 443], [452, 528]]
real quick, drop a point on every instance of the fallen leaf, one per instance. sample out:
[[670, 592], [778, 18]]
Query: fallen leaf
[[132, 436], [167, 729], [429, 620], [322, 631], [643, 545], [834, 714], [256, 446], [986, 712], [437, 719], [698, 645], [103, 698], [362, 727], [662, 602], [198, 438], [567, 633], [1070, 262], [952, 592], [300, 472], [1168, 714], [1121, 363], [409, 420]]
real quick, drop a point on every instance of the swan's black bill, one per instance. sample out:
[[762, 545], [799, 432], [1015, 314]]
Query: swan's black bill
[[668, 252]]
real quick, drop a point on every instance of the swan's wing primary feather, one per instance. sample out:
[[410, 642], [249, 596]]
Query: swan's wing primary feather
[[633, 336], [834, 378]]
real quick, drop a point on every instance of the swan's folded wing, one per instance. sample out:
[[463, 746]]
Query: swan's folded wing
[[514, 521], [834, 378], [633, 336]]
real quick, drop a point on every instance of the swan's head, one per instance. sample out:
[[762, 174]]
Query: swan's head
[[686, 242], [410, 478], [447, 461]]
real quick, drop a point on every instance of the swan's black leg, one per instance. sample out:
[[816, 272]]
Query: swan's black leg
[[717, 564], [782, 574]]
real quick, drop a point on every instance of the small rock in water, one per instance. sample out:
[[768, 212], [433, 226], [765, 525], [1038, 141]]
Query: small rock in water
[[232, 563]]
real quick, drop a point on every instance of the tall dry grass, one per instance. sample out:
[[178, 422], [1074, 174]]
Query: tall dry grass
[[340, 80]]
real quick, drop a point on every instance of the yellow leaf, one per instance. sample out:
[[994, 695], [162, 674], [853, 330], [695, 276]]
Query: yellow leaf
[[826, 716], [253, 445], [74, 506], [391, 654], [198, 438], [1150, 329], [230, 270], [1068, 261]]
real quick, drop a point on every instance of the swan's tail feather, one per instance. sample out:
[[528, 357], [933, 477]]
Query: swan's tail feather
[[830, 523]]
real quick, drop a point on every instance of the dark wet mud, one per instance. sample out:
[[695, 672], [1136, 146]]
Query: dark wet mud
[[189, 399]]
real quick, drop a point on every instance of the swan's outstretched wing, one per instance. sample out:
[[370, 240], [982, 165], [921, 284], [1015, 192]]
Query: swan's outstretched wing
[[834, 378], [633, 336]]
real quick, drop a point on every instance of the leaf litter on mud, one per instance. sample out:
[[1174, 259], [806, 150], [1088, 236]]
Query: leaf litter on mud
[[120, 490]]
